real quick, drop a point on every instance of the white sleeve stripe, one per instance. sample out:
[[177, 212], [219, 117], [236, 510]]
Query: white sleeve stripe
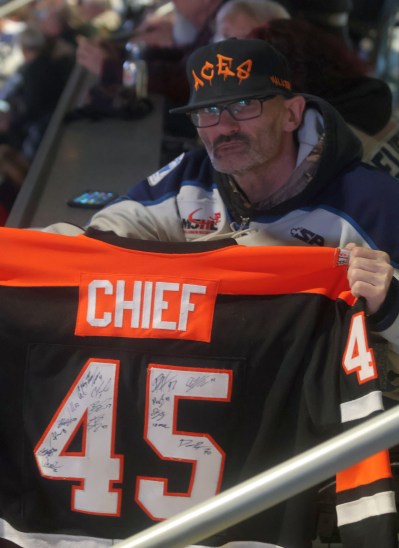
[[366, 507], [362, 407]]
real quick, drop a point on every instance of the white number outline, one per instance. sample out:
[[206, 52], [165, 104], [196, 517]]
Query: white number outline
[[45, 451], [358, 356], [180, 500]]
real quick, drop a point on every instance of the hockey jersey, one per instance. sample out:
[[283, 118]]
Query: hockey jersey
[[141, 378]]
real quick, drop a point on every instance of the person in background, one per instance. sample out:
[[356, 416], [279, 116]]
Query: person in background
[[53, 20], [165, 58], [165, 43], [13, 170], [237, 18], [31, 100], [181, 26], [321, 64]]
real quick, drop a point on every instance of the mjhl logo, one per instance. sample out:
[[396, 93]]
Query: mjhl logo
[[201, 224]]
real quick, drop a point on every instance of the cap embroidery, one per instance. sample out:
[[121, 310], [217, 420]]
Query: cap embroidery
[[281, 83], [223, 67]]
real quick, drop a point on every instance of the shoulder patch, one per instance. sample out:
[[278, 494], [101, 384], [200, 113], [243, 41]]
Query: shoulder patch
[[156, 177]]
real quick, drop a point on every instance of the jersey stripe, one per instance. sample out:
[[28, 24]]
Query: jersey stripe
[[361, 407], [74, 541], [367, 471], [238, 269], [366, 507]]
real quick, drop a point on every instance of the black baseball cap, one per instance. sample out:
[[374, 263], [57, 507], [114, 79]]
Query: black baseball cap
[[235, 69]]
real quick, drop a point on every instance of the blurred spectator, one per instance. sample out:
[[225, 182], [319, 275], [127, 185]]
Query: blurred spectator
[[13, 169], [322, 65], [167, 27], [10, 54], [96, 17], [61, 22], [53, 21], [55, 24], [32, 99], [164, 48], [236, 18], [372, 26], [165, 42]]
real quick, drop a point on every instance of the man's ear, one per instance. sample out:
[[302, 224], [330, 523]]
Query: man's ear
[[294, 110]]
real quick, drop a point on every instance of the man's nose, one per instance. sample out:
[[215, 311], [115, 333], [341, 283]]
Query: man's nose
[[226, 119]]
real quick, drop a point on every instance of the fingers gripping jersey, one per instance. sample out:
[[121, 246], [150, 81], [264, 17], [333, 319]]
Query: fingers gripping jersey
[[141, 378]]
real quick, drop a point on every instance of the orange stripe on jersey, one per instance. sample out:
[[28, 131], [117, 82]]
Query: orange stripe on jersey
[[369, 470], [241, 270]]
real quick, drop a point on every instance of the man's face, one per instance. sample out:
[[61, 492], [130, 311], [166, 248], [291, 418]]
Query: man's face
[[237, 147]]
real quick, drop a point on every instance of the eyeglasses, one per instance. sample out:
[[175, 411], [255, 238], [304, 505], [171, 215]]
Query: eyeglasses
[[246, 109]]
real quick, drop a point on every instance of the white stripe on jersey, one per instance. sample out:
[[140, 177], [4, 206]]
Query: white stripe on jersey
[[361, 407], [42, 540], [366, 507]]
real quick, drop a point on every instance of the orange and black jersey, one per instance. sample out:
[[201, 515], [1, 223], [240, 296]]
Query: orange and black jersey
[[141, 378]]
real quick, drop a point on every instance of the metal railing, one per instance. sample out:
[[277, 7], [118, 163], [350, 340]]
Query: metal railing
[[273, 486]]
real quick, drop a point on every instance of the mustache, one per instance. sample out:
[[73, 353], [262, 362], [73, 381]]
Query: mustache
[[229, 139]]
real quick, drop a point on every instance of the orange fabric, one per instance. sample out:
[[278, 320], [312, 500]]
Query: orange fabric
[[238, 269], [369, 470]]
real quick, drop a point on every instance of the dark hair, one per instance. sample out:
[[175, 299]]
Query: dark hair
[[321, 64]]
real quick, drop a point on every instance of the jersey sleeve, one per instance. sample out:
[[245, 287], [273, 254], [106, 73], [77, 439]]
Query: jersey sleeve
[[365, 500]]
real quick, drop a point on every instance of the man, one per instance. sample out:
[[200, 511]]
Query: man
[[279, 169]]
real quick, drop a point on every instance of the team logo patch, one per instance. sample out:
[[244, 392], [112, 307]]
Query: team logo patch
[[307, 236], [201, 220]]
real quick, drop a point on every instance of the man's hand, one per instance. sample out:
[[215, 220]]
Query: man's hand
[[369, 274]]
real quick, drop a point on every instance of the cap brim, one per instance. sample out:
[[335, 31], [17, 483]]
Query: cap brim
[[234, 97]]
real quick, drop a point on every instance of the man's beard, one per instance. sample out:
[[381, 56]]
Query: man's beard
[[224, 162]]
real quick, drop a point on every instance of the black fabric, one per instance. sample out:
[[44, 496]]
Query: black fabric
[[158, 247], [364, 102]]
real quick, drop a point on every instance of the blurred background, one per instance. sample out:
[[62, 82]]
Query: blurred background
[[86, 85]]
